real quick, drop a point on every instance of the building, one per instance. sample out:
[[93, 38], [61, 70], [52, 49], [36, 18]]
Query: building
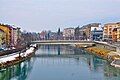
[[6, 29], [86, 30], [68, 34], [15, 36], [83, 35], [97, 34], [54, 36], [118, 34], [11, 36], [114, 35], [2, 39], [108, 31], [43, 35], [77, 33]]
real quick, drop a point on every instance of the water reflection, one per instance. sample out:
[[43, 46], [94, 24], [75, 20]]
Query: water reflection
[[58, 49], [83, 67], [17, 72], [55, 49], [96, 65]]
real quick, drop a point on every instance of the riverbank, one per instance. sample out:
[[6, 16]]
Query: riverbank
[[14, 58], [109, 55]]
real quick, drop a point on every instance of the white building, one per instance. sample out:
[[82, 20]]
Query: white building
[[68, 33]]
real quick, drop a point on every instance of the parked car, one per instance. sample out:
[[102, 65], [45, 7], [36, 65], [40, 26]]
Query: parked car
[[1, 49]]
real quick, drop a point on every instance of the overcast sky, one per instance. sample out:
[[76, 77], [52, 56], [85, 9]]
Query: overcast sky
[[37, 15]]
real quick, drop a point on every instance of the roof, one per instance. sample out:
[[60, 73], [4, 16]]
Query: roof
[[69, 28], [118, 23], [6, 25], [110, 24], [90, 25]]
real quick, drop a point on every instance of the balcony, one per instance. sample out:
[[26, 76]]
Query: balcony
[[105, 27]]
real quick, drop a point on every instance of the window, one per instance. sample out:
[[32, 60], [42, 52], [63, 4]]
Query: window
[[110, 29], [110, 33]]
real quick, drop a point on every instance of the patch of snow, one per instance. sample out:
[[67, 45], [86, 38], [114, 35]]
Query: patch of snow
[[12, 57]]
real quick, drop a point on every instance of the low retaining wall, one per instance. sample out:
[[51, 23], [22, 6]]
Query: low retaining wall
[[16, 58], [7, 52], [106, 46]]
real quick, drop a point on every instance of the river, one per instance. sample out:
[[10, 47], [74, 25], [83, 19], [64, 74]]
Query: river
[[81, 65]]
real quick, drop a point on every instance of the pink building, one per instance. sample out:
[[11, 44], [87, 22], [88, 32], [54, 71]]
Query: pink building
[[13, 36]]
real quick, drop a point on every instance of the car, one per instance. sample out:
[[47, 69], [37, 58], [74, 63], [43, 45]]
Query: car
[[1, 49]]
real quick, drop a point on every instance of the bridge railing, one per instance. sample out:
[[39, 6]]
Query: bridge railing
[[81, 41]]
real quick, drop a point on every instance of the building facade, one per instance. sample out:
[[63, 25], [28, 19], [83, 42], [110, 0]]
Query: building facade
[[118, 34], [68, 33], [109, 31], [97, 35], [87, 30], [12, 35], [43, 35], [77, 33], [15, 36], [2, 39], [6, 29], [114, 35]]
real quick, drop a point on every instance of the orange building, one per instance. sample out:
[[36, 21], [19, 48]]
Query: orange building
[[109, 31], [5, 28], [114, 35]]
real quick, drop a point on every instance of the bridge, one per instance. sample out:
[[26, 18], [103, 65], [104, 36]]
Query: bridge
[[63, 42], [99, 44]]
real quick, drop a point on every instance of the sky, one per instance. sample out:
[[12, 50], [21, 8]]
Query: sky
[[38, 15]]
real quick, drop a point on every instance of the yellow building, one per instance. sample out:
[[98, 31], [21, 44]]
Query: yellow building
[[118, 34], [5, 28], [2, 38]]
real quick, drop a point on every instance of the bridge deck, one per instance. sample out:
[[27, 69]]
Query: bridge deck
[[63, 42]]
